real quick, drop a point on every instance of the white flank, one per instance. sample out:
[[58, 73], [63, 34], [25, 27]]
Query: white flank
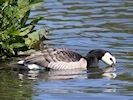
[[33, 66], [30, 66], [21, 62]]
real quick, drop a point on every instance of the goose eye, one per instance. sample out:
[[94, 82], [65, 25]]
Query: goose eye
[[111, 59]]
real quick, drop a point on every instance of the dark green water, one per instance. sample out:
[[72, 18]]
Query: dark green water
[[81, 25]]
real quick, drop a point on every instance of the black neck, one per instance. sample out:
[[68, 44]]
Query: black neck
[[94, 56], [92, 61]]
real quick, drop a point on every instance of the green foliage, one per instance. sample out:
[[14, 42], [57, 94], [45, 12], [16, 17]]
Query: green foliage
[[16, 34]]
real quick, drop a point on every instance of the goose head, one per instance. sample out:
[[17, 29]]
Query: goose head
[[94, 56]]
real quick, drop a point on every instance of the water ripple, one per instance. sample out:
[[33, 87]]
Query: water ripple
[[89, 24]]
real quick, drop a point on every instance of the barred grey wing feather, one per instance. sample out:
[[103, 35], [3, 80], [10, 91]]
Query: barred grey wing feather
[[45, 57]]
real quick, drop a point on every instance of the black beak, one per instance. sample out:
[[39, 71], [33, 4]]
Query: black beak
[[113, 65]]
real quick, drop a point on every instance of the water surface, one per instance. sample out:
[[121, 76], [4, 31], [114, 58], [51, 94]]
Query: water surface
[[81, 25]]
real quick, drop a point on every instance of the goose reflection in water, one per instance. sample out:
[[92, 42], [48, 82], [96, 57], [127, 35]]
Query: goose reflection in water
[[92, 73]]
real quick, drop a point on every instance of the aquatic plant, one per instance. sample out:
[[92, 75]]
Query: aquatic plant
[[16, 30]]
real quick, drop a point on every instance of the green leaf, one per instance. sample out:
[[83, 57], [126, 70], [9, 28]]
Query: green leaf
[[28, 41], [34, 36], [16, 33], [35, 4], [25, 18], [23, 3], [25, 30], [17, 45], [35, 20], [5, 4], [26, 52], [11, 51]]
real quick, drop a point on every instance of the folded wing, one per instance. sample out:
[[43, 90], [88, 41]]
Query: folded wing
[[56, 59]]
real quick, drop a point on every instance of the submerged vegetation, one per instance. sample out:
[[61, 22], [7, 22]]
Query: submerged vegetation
[[16, 30]]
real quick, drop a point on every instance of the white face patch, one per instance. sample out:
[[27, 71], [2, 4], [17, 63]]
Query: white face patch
[[108, 59]]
